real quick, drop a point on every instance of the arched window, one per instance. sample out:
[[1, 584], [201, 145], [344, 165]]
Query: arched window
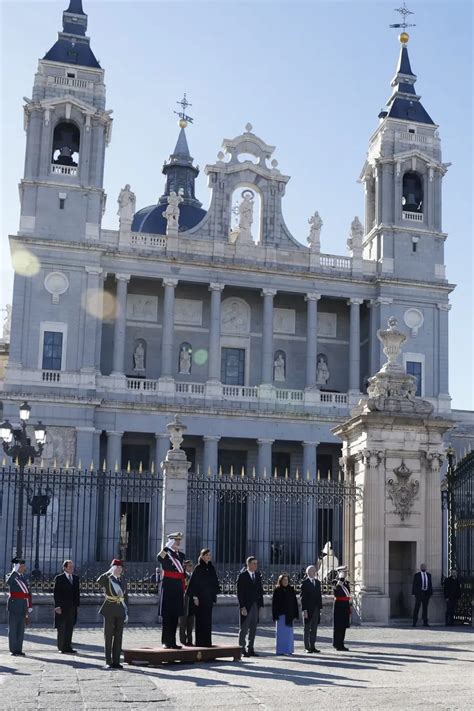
[[66, 142], [412, 199], [185, 358]]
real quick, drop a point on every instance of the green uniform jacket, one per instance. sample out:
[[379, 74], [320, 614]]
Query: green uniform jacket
[[108, 607]]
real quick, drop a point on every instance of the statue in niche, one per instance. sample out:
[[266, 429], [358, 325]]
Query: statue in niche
[[245, 212], [354, 242], [185, 359], [322, 370], [171, 214], [139, 356], [7, 323], [126, 202], [314, 238], [279, 368]]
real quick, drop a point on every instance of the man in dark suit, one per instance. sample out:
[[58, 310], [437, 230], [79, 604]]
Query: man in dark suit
[[250, 596], [311, 605], [66, 601], [422, 590], [452, 593]]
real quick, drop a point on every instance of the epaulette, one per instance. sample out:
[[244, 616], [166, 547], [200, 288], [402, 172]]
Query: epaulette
[[162, 554]]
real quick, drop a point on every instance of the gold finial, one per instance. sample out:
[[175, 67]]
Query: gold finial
[[220, 470], [153, 467], [79, 464], [308, 476], [275, 473], [184, 119], [286, 473], [92, 465], [264, 472], [140, 468], [403, 37], [404, 13], [66, 466], [209, 471], [129, 468], [297, 475], [232, 470], [242, 472], [254, 473], [116, 466], [104, 465]]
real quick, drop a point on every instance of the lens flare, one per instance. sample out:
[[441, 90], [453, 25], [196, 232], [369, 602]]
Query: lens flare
[[200, 356], [98, 303], [25, 262]]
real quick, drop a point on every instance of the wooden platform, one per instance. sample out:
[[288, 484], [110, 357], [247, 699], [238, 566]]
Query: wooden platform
[[158, 655]]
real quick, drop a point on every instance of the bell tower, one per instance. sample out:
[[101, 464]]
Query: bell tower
[[402, 177], [67, 129]]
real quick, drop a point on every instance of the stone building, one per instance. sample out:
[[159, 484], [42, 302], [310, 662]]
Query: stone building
[[261, 343]]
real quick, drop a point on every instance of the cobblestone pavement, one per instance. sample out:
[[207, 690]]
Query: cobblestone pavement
[[386, 668]]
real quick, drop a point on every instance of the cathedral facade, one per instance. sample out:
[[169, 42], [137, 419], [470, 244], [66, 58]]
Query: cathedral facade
[[260, 343]]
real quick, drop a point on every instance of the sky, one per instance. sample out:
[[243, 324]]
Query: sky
[[310, 76]]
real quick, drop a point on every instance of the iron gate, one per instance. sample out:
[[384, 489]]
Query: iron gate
[[458, 491]]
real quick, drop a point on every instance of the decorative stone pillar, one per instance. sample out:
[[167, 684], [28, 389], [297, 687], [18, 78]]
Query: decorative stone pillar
[[261, 535], [118, 367], [266, 389], [113, 460], [379, 315], [210, 458], [162, 442], [175, 484], [93, 314], [84, 447], [354, 346], [161, 447], [87, 496], [112, 499], [310, 460], [264, 457], [395, 445], [213, 385], [311, 339], [444, 399], [167, 337]]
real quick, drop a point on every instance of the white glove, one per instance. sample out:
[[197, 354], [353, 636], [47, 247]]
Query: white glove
[[30, 609], [126, 618]]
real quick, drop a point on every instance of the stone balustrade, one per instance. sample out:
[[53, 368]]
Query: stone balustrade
[[413, 216], [64, 169]]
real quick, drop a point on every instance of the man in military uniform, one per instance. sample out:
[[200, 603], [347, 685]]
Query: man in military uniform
[[342, 609], [114, 611], [19, 605], [171, 560]]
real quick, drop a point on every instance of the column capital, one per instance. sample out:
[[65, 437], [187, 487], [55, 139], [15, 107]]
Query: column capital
[[355, 302], [123, 277], [382, 301], [312, 296], [211, 438], [96, 271], [169, 281], [215, 286], [85, 429], [311, 444], [162, 435], [114, 433], [265, 441], [268, 292], [444, 307]]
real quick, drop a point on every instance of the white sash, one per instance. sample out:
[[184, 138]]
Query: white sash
[[176, 562]]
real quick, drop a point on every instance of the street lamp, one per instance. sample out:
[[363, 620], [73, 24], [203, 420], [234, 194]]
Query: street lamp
[[17, 445]]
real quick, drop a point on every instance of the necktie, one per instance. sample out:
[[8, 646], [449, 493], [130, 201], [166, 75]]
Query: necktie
[[253, 577], [314, 582], [424, 586]]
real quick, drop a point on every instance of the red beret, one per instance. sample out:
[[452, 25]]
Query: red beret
[[116, 561]]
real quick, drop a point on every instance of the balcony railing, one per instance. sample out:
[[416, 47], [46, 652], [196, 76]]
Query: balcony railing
[[239, 392], [137, 239], [63, 169], [73, 83], [413, 216], [333, 261]]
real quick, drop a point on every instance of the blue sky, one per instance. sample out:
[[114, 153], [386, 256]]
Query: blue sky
[[311, 78]]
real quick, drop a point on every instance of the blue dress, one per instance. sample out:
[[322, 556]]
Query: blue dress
[[285, 637]]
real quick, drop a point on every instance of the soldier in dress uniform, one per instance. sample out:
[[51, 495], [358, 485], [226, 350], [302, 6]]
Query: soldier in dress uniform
[[171, 560], [114, 611], [19, 605], [342, 609]]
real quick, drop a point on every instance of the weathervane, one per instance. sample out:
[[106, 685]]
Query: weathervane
[[404, 12], [184, 119]]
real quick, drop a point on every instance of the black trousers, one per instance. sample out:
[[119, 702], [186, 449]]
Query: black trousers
[[168, 630], [186, 628], [339, 636], [421, 601], [204, 626], [65, 624], [113, 633], [450, 610]]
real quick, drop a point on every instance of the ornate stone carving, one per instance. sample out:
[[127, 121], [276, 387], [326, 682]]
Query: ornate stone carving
[[279, 367], [56, 284], [176, 431], [356, 235], [373, 457], [139, 356], [60, 447], [188, 312], [284, 320], [7, 323], [141, 307], [171, 214], [322, 370], [185, 356], [435, 460], [414, 320], [327, 325], [244, 210], [235, 317], [314, 237], [402, 492], [126, 210]]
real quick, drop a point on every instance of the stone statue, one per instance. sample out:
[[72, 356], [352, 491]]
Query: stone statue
[[7, 323], [245, 213], [354, 242], [126, 202], [139, 357], [171, 214], [176, 431], [184, 361], [314, 238], [322, 371], [279, 368]]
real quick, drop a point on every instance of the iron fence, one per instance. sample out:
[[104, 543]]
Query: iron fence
[[286, 523]]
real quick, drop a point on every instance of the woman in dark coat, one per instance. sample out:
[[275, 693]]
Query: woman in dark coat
[[202, 591], [342, 611], [284, 612]]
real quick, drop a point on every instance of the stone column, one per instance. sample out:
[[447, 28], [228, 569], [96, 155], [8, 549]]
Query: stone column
[[444, 399], [175, 485], [94, 302], [266, 389], [167, 333], [213, 385], [354, 346], [311, 338], [264, 457], [112, 497], [15, 356], [310, 460], [84, 511], [118, 367], [210, 458], [162, 444], [262, 533]]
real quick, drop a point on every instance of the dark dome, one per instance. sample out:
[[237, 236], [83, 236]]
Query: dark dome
[[150, 219]]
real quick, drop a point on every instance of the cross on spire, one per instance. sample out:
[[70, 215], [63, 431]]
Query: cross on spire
[[184, 119], [404, 12]]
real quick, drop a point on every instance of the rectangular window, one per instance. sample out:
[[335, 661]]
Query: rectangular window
[[233, 366], [62, 202], [416, 369], [52, 350]]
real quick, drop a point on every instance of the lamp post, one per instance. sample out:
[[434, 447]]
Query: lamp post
[[17, 445]]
